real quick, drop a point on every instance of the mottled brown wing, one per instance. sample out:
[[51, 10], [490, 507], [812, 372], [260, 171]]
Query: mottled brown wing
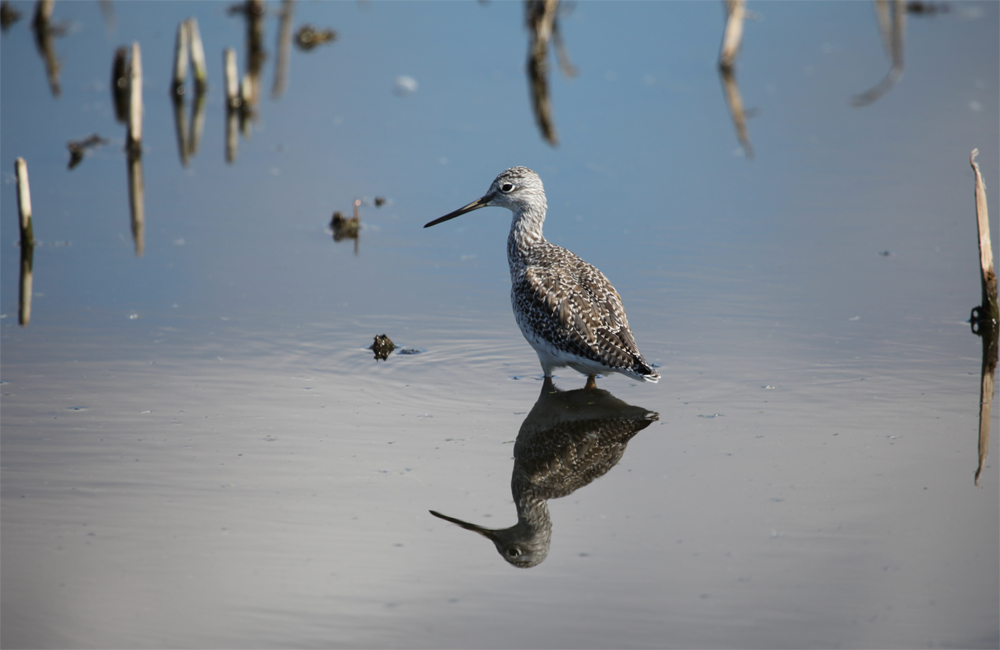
[[576, 308]]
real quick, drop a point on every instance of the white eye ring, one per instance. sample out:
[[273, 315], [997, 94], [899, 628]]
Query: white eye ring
[[507, 188]]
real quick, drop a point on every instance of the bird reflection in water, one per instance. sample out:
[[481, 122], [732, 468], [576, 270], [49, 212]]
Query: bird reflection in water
[[567, 440]]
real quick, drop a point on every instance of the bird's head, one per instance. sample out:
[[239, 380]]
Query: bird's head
[[518, 189]]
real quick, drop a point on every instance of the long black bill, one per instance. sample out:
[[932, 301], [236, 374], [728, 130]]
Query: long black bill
[[485, 532], [475, 205]]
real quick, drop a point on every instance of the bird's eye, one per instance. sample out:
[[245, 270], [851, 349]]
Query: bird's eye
[[513, 551], [506, 187]]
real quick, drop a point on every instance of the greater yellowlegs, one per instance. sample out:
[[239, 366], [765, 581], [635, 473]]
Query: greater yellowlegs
[[566, 308]]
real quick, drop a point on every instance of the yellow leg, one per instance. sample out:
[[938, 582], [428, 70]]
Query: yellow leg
[[591, 383]]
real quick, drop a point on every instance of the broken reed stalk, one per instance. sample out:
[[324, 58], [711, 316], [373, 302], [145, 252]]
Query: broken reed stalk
[[247, 90], [984, 318], [989, 308], [24, 202], [197, 56], [733, 34], [27, 242], [181, 57], [233, 102], [232, 78], [135, 184], [135, 101]]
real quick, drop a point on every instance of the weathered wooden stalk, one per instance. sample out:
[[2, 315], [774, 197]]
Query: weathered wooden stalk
[[135, 100], [197, 56], [985, 317], [24, 202], [233, 103], [181, 56], [27, 241], [232, 78], [136, 188], [731, 38], [989, 307]]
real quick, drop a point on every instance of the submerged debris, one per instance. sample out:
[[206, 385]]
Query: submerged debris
[[309, 37], [8, 15], [346, 227], [920, 8], [246, 8], [78, 148], [382, 347]]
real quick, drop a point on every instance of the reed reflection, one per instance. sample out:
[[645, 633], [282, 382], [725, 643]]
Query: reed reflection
[[8, 15], [108, 13], [25, 285], [137, 201], [987, 376], [284, 48], [45, 35], [189, 49], [253, 12], [736, 14], [242, 96], [892, 25], [569, 439], [188, 138], [985, 319], [541, 17], [256, 55], [734, 100]]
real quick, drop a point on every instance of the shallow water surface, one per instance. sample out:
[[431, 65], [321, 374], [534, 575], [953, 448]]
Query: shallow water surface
[[198, 450]]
